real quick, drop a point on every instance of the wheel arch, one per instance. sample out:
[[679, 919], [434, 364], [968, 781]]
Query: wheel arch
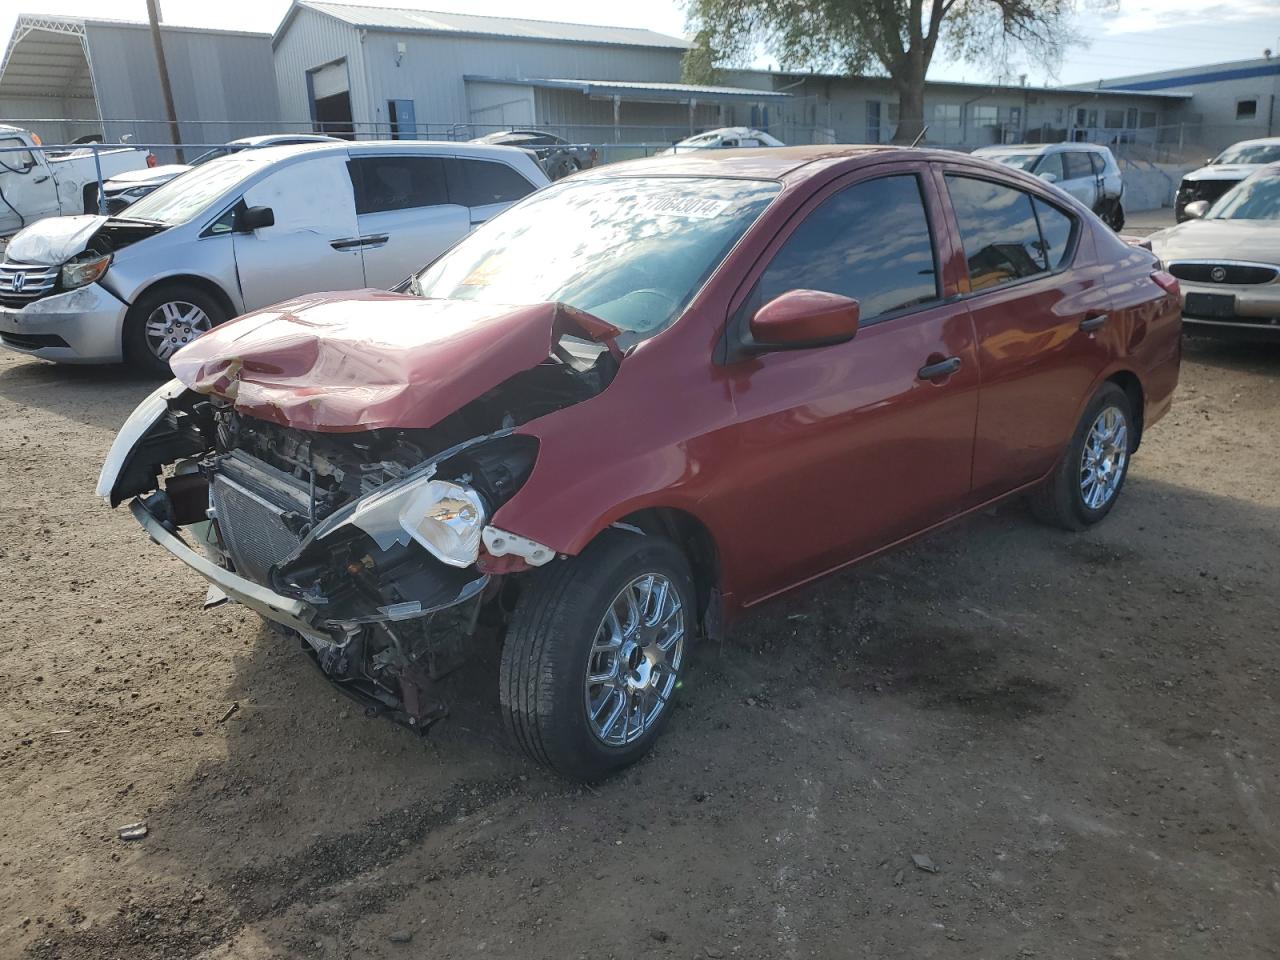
[[1128, 381], [204, 284], [698, 544]]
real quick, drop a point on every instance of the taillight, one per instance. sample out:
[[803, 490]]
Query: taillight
[[151, 160], [1168, 282]]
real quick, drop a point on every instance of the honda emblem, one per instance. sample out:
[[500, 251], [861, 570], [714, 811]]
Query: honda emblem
[[18, 281]]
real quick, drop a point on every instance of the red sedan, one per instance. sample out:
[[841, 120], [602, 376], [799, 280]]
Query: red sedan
[[641, 402]]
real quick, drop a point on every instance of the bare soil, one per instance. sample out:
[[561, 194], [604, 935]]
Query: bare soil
[[1078, 731]]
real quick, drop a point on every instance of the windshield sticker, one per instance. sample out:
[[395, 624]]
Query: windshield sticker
[[677, 205]]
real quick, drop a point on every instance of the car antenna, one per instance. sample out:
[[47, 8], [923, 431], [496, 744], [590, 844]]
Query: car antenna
[[920, 135]]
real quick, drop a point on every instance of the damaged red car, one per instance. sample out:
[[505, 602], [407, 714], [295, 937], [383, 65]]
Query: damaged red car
[[641, 402]]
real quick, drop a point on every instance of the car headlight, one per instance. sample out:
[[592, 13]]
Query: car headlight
[[78, 273], [445, 518]]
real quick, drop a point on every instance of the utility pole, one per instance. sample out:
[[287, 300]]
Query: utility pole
[[153, 15]]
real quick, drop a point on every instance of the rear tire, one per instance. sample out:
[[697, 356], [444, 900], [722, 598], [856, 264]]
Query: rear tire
[[165, 319], [571, 623], [1088, 480]]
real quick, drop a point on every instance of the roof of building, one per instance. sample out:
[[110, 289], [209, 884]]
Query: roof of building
[[468, 24], [1193, 76], [645, 92]]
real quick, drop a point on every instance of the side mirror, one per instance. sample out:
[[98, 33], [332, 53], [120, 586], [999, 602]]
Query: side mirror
[[1048, 177], [255, 218], [804, 318], [1196, 209]]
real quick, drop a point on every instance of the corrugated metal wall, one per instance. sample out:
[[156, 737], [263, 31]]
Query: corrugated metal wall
[[223, 84], [431, 70], [313, 40]]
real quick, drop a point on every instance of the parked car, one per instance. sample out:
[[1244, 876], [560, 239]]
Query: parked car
[[725, 138], [1223, 172], [639, 404], [241, 232], [34, 185], [123, 189], [1087, 171], [1227, 257], [558, 156]]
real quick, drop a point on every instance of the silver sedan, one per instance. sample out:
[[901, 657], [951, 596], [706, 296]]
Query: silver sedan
[[1227, 258]]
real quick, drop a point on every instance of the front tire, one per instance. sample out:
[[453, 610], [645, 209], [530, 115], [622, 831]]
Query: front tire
[[594, 654], [164, 320], [1088, 481]]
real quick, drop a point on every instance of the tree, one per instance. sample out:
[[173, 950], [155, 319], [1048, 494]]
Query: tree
[[699, 63], [895, 37]]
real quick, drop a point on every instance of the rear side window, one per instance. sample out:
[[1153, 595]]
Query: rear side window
[[1055, 230], [397, 183], [1077, 165], [1001, 230], [870, 241], [475, 183], [15, 161]]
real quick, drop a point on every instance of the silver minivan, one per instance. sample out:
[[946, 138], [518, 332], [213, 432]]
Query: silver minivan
[[243, 232]]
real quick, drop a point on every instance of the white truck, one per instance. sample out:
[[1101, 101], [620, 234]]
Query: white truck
[[35, 184]]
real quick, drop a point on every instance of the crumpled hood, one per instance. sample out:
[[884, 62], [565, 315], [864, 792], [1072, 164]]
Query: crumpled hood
[[160, 174], [1255, 241], [1224, 171], [53, 241], [368, 359]]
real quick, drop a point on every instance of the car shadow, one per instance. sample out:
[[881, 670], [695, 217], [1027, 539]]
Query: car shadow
[[1249, 356], [319, 831], [95, 395]]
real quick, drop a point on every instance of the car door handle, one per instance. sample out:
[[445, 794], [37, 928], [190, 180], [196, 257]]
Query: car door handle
[[346, 243], [936, 371], [1093, 321], [41, 179], [374, 240]]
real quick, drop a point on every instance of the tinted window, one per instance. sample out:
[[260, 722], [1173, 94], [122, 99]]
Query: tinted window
[[474, 183], [397, 183], [1099, 165], [1077, 165], [870, 242], [1050, 163], [998, 229], [1055, 228]]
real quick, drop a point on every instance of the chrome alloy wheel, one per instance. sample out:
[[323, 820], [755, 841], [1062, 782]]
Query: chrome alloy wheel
[[173, 325], [1104, 458], [635, 660]]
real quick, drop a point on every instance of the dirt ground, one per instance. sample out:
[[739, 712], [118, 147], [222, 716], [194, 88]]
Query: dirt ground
[[1078, 731]]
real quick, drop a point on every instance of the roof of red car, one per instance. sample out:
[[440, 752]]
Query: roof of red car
[[768, 163]]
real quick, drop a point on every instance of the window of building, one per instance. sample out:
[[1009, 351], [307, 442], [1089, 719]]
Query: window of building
[[1147, 119], [986, 116], [1246, 109], [1001, 233], [1113, 119], [870, 241], [397, 183], [476, 183]]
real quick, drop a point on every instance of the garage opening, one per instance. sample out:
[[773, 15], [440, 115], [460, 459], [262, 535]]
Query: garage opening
[[329, 91]]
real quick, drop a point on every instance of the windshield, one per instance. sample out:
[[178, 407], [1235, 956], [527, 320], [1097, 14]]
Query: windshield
[[184, 197], [1250, 153], [1022, 161], [632, 250], [1257, 198]]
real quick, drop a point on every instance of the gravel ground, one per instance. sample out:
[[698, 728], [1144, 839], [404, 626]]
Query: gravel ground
[[1077, 731]]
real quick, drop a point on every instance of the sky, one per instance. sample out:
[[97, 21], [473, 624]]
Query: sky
[[1140, 37]]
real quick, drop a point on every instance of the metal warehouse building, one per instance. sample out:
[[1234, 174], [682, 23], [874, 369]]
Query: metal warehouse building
[[67, 77], [379, 71]]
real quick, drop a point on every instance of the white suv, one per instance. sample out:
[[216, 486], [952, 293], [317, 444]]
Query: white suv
[[1085, 170], [242, 232]]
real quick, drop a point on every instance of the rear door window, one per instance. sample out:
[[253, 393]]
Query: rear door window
[[397, 183], [1077, 165], [870, 241], [1006, 235], [477, 183]]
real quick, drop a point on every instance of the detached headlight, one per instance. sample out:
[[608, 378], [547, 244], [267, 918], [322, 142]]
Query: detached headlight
[[446, 518], [78, 273]]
